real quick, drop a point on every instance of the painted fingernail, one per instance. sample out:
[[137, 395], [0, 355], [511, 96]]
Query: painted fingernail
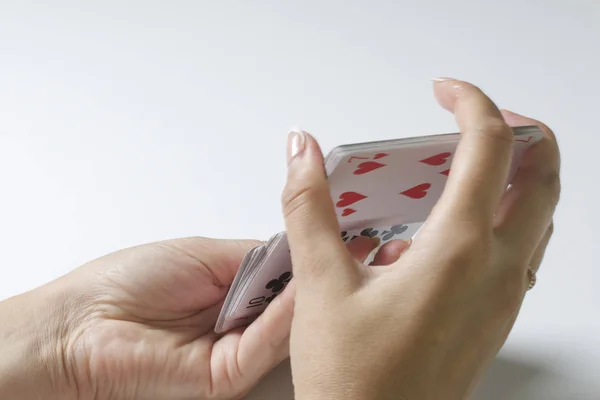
[[296, 144]]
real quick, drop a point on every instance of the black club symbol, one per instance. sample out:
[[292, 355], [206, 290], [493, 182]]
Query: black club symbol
[[394, 230], [276, 285], [346, 237], [370, 232]]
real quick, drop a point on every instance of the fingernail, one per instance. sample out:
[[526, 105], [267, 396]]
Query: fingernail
[[446, 91], [399, 251], [376, 240], [442, 79], [296, 144]]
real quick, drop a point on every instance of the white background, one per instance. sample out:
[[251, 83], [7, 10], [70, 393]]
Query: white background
[[124, 122]]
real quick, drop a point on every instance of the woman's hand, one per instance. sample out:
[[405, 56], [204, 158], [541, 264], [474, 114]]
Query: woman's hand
[[138, 324], [425, 326]]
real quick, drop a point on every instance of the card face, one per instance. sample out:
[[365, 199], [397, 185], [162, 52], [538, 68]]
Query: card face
[[402, 182], [244, 276], [380, 189], [385, 234], [270, 280], [403, 179], [262, 282]]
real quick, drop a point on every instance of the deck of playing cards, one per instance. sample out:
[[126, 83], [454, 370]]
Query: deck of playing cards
[[380, 189]]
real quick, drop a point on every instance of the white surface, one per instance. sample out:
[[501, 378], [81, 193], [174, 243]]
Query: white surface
[[127, 122]]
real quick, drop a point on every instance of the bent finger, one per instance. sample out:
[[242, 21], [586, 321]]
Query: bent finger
[[479, 171], [527, 207]]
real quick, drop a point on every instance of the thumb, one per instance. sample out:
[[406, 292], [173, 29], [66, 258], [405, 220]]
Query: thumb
[[319, 257]]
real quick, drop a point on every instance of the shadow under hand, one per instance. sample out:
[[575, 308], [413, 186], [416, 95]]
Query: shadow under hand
[[505, 379], [513, 379], [276, 386]]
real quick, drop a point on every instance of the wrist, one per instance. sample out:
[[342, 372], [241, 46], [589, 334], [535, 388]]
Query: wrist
[[356, 391], [341, 395], [31, 354]]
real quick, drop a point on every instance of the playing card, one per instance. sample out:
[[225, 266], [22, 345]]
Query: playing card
[[385, 233], [246, 270], [402, 178], [263, 279], [380, 189]]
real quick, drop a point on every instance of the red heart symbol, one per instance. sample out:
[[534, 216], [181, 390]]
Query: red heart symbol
[[348, 211], [438, 159], [380, 155], [446, 172], [348, 198], [367, 166], [417, 192]]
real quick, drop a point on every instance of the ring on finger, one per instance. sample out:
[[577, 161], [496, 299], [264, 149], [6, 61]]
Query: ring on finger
[[532, 278]]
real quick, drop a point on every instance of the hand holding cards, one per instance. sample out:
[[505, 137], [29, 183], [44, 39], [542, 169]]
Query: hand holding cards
[[424, 323], [380, 189]]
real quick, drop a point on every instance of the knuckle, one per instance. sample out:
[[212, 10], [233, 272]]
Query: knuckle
[[469, 255], [474, 234], [495, 129], [551, 181], [550, 230], [508, 289]]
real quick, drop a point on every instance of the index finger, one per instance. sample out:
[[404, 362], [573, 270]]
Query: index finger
[[480, 167]]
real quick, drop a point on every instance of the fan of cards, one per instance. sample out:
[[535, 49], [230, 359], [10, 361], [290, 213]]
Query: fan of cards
[[380, 189]]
